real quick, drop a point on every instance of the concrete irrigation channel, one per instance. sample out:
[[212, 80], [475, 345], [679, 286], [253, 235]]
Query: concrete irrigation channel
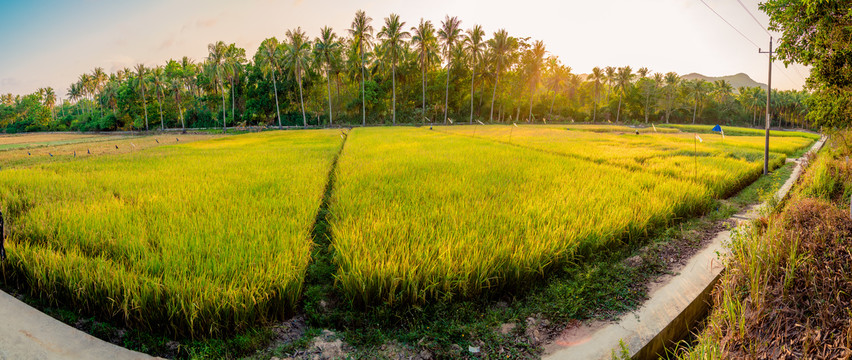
[[673, 308]]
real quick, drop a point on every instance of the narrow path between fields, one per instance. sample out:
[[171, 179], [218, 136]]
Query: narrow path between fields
[[319, 276]]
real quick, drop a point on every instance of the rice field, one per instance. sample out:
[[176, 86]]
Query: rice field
[[211, 236], [195, 239], [420, 214], [86, 147], [740, 131], [17, 141]]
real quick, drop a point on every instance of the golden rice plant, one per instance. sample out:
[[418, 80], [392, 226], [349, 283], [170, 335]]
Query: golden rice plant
[[197, 239]]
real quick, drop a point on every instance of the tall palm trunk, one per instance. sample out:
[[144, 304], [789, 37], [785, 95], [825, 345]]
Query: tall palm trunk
[[595, 109], [647, 103], [447, 93], [530, 118], [471, 93], [145, 107], [393, 75], [301, 98], [695, 110], [277, 109], [160, 100], [224, 123], [232, 100], [494, 93], [618, 113], [424, 94], [180, 111], [328, 77], [363, 96]]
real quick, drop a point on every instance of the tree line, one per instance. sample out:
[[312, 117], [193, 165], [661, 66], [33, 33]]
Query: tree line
[[386, 73]]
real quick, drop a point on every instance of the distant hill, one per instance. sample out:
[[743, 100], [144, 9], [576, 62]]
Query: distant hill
[[735, 80]]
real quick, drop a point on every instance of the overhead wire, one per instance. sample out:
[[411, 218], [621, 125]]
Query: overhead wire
[[754, 18], [746, 37], [729, 24]]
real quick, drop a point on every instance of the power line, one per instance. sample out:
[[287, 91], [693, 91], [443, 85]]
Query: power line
[[755, 19], [729, 24]]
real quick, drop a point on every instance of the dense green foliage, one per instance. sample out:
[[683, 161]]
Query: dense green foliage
[[382, 74], [818, 34]]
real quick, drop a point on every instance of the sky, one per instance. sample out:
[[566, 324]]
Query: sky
[[51, 42]]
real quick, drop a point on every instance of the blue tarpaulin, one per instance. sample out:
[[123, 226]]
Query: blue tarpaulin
[[717, 128]]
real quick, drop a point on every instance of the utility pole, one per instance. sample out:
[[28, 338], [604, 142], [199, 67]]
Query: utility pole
[[768, 99]]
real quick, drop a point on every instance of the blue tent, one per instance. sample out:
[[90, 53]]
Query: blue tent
[[717, 128]]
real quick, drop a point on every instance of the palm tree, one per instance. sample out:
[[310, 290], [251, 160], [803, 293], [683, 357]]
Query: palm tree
[[475, 46], [652, 91], [362, 34], [268, 55], [449, 35], [158, 81], [723, 94], [534, 75], [424, 43], [216, 57], [298, 53], [623, 80], [610, 80], [500, 45], [140, 78], [50, 101], [556, 81], [642, 72], [234, 59], [672, 80], [393, 37], [325, 50], [177, 85], [697, 88], [597, 77]]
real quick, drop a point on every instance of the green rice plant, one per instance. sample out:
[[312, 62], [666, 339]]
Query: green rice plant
[[740, 131], [193, 239], [420, 214]]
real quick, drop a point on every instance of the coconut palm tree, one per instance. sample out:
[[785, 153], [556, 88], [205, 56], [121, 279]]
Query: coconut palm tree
[[177, 86], [697, 88], [597, 77], [425, 43], [50, 101], [556, 81], [624, 79], [449, 36], [362, 34], [534, 73], [393, 36], [672, 81], [326, 47], [216, 57], [500, 46], [140, 83], [297, 54], [235, 58], [158, 81], [268, 55], [475, 47]]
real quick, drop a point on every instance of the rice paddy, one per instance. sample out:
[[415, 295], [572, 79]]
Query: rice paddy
[[200, 238], [203, 238]]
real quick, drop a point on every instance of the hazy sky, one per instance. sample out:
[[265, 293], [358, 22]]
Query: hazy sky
[[52, 42]]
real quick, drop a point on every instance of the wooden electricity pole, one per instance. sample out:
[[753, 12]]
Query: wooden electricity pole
[[768, 99]]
